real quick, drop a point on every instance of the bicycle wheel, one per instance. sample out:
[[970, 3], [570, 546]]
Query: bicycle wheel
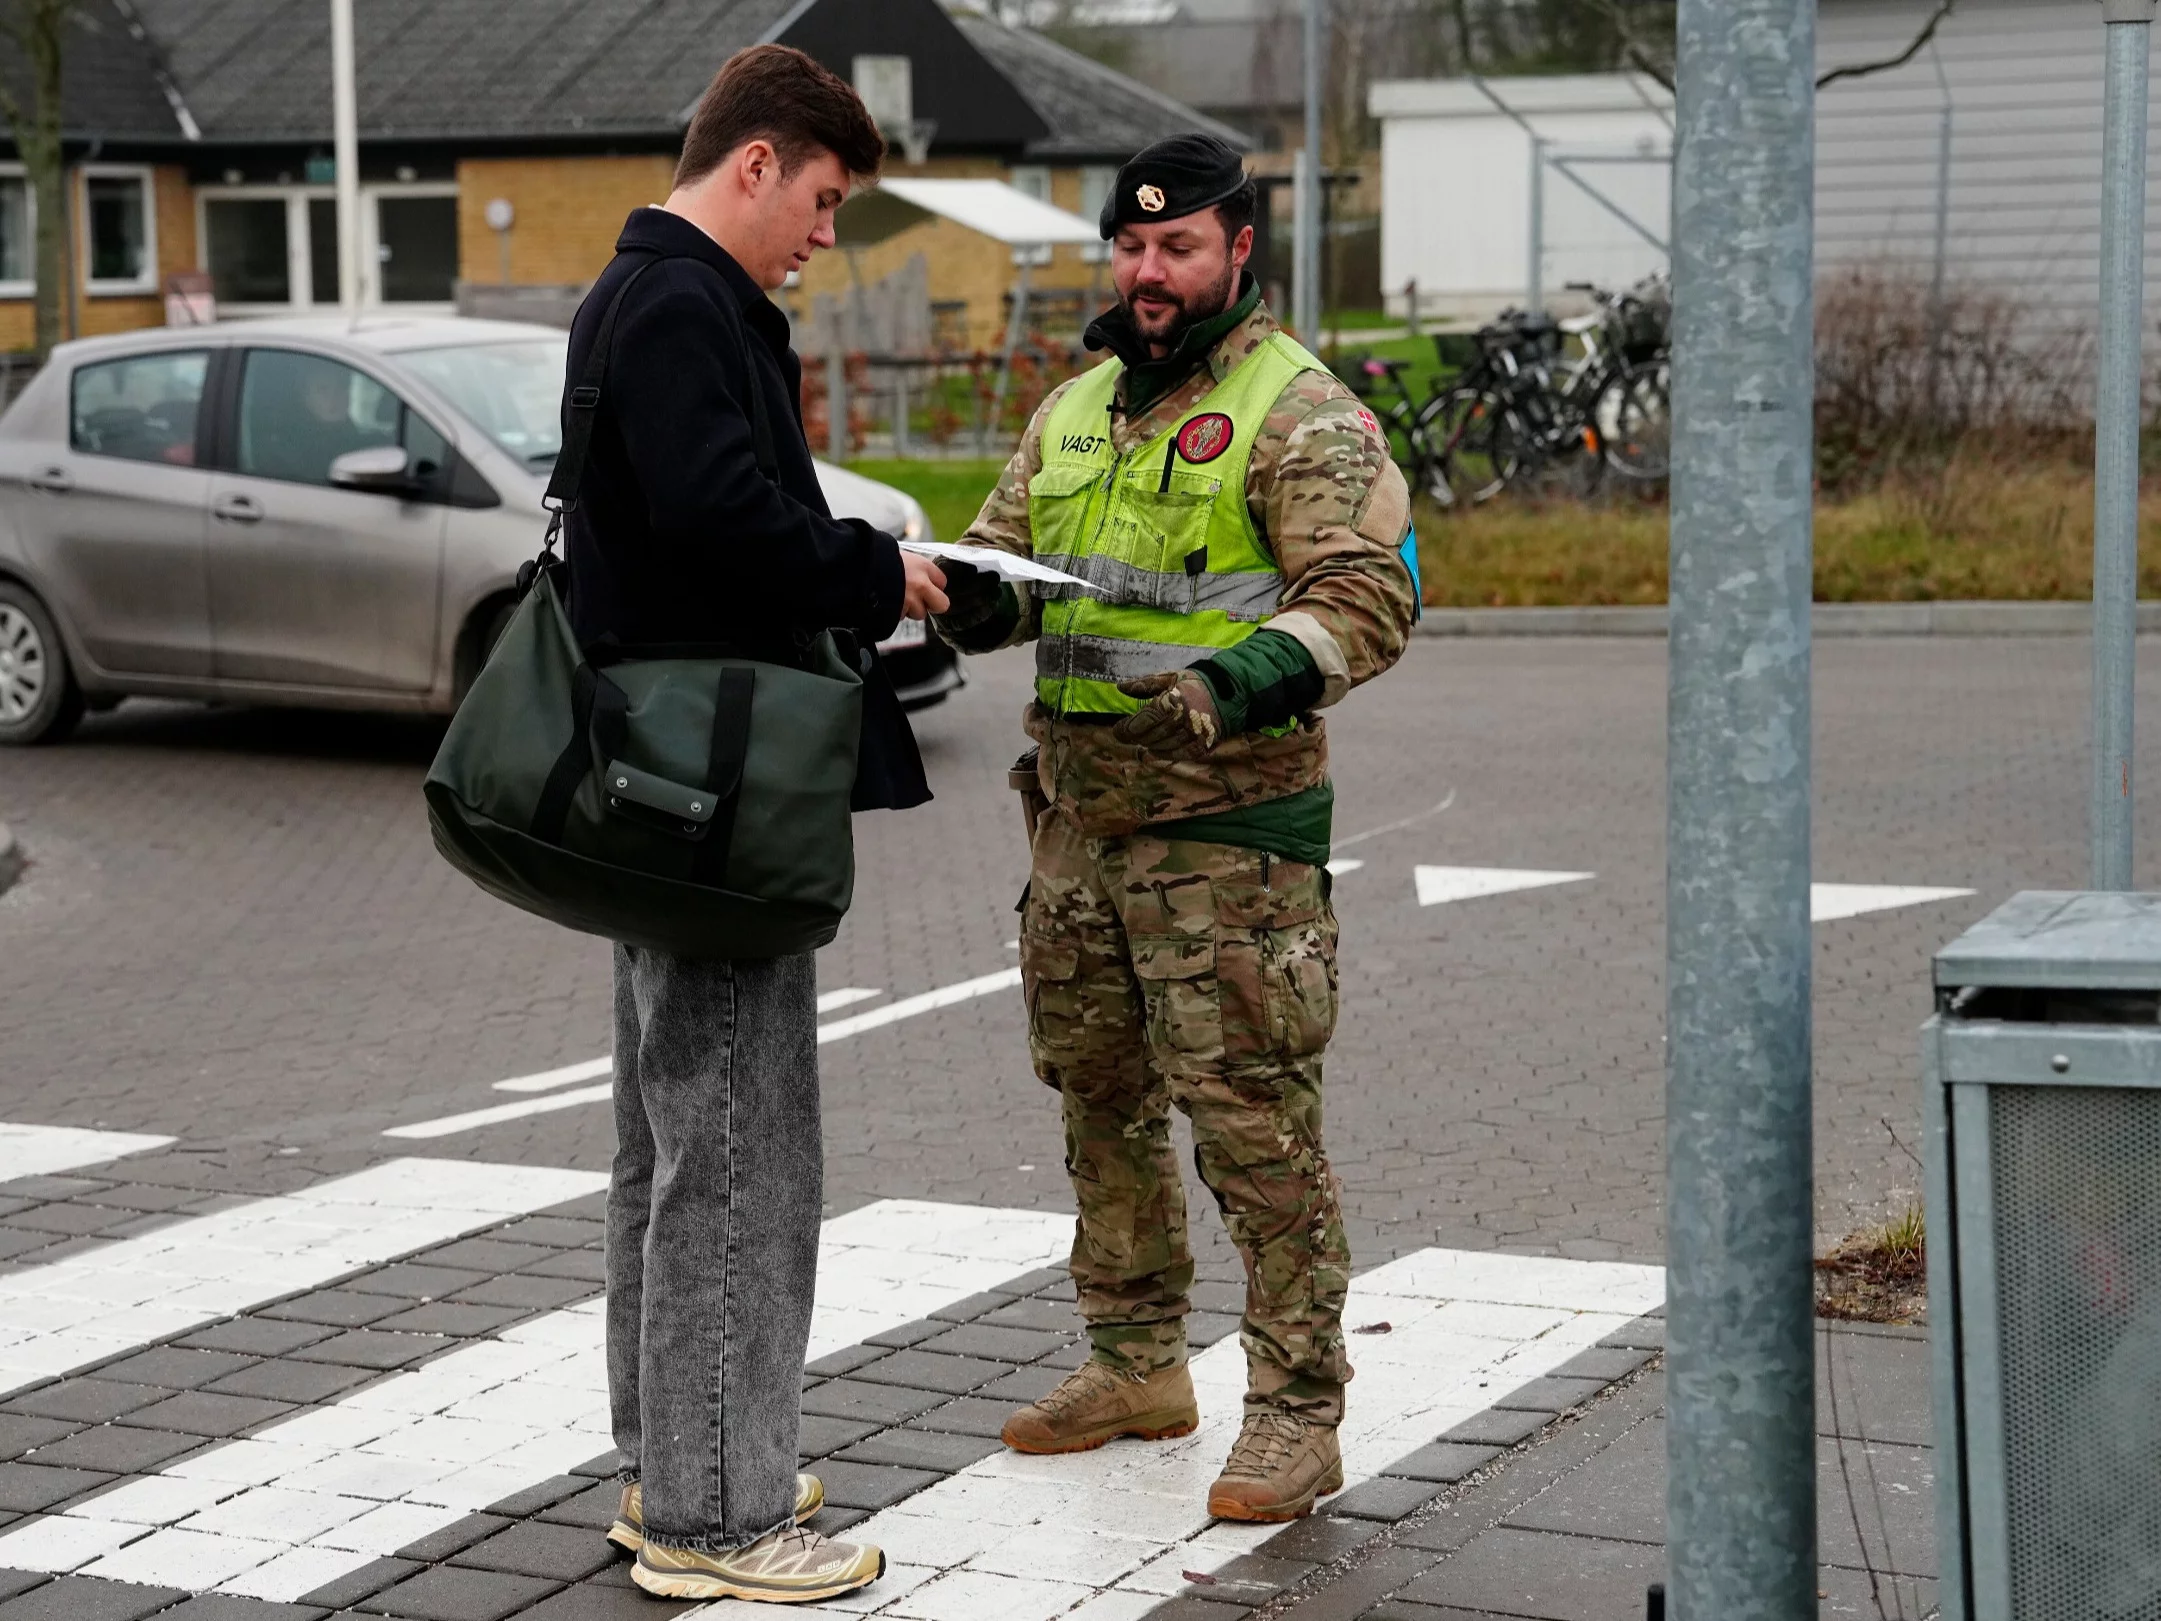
[[1634, 416], [1475, 445]]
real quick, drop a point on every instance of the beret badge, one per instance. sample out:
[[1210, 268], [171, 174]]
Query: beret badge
[[1150, 198]]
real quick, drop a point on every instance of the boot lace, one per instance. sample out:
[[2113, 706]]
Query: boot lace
[[1081, 1387], [1265, 1443]]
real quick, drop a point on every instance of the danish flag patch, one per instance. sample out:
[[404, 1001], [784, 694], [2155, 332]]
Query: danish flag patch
[[1372, 422], [1205, 438]]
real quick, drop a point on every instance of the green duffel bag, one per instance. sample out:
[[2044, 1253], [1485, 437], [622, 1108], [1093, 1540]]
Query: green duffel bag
[[692, 800]]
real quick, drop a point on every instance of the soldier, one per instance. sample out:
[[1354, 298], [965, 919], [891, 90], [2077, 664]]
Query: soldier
[[1239, 526]]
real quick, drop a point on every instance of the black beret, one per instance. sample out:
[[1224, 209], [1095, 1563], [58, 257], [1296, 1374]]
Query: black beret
[[1171, 179]]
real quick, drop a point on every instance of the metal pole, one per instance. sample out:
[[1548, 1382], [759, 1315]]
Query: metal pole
[[1741, 1493], [2116, 423], [1534, 296], [1016, 325], [345, 148], [1938, 318], [1306, 257]]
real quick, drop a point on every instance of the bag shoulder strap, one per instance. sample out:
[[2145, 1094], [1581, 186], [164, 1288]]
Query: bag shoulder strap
[[582, 404]]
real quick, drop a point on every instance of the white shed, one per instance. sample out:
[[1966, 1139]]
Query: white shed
[[1460, 190], [2001, 117]]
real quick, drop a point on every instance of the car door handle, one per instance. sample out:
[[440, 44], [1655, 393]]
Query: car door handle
[[55, 479], [237, 509]]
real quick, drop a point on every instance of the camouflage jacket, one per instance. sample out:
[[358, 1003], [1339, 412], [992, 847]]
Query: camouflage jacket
[[1331, 505]]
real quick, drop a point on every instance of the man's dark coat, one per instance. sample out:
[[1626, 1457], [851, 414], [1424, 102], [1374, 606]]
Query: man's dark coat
[[677, 537]]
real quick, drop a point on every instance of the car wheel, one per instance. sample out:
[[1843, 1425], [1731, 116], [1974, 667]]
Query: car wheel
[[39, 701], [488, 629]]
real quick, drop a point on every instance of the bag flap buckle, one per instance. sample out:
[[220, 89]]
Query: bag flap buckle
[[633, 792]]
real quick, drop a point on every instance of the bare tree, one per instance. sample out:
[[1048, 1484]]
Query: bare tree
[[34, 28], [1653, 54]]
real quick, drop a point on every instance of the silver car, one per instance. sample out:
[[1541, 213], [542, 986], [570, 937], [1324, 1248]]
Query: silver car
[[308, 511]]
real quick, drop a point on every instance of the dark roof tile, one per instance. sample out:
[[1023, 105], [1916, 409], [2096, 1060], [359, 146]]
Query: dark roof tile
[[1093, 111]]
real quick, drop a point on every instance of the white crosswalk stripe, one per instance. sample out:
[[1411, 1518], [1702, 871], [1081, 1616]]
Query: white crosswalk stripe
[[1026, 1539], [66, 1314], [327, 1491], [46, 1150]]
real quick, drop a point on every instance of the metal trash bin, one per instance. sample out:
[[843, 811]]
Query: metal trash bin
[[2042, 1116]]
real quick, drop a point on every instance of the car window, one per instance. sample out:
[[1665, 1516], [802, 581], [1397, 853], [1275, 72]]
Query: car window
[[299, 413], [142, 408]]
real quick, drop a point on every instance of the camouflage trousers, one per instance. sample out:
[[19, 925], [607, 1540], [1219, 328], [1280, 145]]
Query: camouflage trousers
[[1162, 971]]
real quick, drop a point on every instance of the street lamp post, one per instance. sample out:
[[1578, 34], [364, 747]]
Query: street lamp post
[[1741, 1508], [1306, 190], [345, 147]]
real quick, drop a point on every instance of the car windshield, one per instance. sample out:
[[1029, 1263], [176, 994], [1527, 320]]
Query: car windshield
[[512, 391]]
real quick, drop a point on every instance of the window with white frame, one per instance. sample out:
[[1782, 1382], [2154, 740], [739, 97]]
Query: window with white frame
[[274, 248], [1096, 180], [119, 224], [18, 234], [1034, 179]]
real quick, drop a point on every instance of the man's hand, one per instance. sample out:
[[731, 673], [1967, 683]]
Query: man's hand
[[1178, 714], [926, 587]]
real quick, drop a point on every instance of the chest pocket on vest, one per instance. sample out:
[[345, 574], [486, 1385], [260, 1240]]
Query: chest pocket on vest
[[1059, 499], [1162, 535]]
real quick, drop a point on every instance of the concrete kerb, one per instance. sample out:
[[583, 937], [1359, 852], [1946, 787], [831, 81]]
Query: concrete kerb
[[11, 858], [1827, 619]]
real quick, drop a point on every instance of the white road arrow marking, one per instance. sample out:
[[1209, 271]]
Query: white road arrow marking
[[833, 1030], [1830, 901], [1439, 885]]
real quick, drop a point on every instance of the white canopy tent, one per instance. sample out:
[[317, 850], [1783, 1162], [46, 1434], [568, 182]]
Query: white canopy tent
[[990, 208]]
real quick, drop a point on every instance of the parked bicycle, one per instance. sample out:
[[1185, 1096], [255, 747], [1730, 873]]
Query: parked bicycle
[[1544, 406]]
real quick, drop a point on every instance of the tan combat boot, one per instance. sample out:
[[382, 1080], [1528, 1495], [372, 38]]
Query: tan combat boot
[[1097, 1402], [1278, 1465]]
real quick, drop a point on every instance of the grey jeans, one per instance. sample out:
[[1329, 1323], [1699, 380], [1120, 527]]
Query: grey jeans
[[713, 1217]]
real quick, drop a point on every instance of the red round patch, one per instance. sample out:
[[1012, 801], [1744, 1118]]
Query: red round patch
[[1205, 438]]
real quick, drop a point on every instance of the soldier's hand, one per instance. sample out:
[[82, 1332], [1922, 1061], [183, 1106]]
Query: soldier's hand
[[1178, 714], [976, 595]]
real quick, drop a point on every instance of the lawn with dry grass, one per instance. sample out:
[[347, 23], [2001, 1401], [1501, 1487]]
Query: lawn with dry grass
[[1966, 529]]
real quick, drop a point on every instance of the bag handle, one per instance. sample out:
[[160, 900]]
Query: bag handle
[[582, 405]]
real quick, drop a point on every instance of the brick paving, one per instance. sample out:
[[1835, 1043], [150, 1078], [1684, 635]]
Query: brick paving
[[234, 931]]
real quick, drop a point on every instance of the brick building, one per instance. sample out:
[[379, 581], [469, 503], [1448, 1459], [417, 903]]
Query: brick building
[[198, 137]]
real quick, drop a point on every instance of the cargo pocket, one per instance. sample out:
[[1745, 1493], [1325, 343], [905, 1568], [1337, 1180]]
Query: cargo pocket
[[1049, 969], [1177, 975], [1298, 977]]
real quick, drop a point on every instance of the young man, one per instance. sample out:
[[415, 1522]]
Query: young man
[[677, 537], [1237, 522]]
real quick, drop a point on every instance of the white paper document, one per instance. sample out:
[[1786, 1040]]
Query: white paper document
[[1005, 565]]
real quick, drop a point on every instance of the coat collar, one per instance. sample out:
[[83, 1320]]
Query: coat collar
[[655, 230]]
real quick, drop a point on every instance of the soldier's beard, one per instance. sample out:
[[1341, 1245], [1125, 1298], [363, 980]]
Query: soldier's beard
[[1167, 331]]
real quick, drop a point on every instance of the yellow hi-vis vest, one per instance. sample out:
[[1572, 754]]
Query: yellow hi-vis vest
[[1174, 569]]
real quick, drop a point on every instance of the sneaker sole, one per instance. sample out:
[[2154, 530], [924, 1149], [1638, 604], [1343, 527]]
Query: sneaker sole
[[662, 1585], [630, 1539], [1101, 1437], [1224, 1508]]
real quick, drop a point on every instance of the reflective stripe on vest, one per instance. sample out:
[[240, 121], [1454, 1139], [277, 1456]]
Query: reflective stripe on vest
[[1172, 568]]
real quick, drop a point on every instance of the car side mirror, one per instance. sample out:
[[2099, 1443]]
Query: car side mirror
[[378, 467]]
